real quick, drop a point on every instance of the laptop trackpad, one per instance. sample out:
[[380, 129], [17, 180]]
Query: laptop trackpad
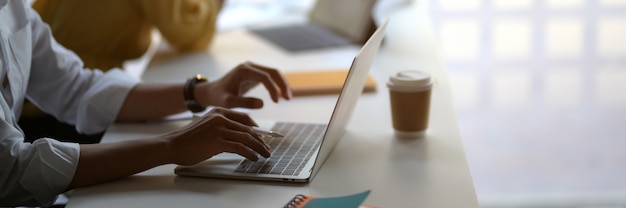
[[223, 163]]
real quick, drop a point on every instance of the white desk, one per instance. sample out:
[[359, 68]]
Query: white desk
[[428, 172]]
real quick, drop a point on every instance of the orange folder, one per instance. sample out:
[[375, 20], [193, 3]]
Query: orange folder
[[321, 82]]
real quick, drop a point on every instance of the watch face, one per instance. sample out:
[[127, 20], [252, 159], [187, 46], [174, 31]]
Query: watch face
[[200, 78]]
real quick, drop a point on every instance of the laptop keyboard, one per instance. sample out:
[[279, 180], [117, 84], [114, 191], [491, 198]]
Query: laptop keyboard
[[290, 153], [301, 37]]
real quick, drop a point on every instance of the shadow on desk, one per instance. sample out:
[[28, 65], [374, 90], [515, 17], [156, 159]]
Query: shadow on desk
[[153, 183], [208, 185]]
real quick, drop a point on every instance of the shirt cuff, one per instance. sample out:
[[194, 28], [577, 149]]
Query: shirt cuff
[[50, 169]]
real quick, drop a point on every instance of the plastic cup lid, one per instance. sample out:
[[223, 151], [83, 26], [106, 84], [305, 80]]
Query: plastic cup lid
[[410, 81]]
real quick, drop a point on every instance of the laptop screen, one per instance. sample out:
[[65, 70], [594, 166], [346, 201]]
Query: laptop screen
[[349, 18], [352, 90]]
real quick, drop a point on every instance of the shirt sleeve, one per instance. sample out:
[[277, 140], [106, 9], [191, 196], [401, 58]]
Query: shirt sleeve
[[59, 85], [58, 160], [34, 174]]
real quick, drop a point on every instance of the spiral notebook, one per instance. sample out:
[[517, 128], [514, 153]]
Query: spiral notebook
[[309, 201]]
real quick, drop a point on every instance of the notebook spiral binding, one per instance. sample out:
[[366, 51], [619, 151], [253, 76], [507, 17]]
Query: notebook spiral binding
[[295, 201]]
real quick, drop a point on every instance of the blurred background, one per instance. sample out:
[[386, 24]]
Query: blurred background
[[539, 89], [540, 94]]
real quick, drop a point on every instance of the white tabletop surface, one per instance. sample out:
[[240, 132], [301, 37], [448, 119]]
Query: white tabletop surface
[[427, 172]]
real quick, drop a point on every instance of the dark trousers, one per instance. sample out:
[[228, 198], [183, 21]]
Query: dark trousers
[[49, 127]]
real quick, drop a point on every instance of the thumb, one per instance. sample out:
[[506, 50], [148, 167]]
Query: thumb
[[244, 102]]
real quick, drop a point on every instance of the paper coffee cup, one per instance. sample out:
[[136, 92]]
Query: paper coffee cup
[[409, 96]]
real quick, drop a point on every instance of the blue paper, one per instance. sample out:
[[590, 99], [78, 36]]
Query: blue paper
[[351, 201]]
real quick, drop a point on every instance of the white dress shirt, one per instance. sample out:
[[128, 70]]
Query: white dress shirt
[[34, 65]]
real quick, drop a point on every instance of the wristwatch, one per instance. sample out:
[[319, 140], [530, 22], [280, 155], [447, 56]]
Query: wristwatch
[[188, 93]]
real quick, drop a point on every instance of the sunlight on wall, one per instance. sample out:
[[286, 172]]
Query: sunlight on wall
[[460, 5], [611, 33], [465, 47], [563, 88], [559, 45], [539, 91], [511, 89], [565, 4], [512, 38], [609, 90], [504, 5], [466, 95]]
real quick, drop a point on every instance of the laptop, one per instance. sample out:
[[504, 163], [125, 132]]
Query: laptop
[[299, 155], [331, 23]]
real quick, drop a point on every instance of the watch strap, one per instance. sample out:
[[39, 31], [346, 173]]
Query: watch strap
[[188, 93]]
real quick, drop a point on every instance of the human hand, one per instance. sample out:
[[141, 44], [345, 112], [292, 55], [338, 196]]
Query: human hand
[[219, 130], [229, 90]]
